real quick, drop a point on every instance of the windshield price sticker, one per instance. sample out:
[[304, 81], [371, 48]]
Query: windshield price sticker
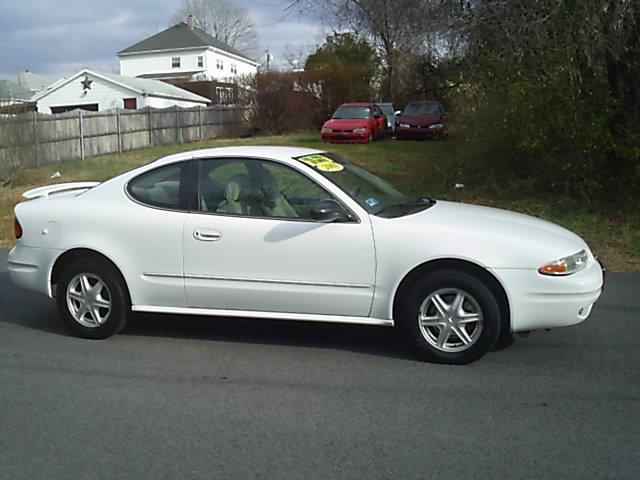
[[322, 163]]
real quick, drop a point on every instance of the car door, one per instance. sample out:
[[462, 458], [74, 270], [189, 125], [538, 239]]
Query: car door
[[253, 246], [380, 120], [150, 242]]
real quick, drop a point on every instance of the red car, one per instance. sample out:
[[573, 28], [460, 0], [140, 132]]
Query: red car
[[421, 120], [354, 123]]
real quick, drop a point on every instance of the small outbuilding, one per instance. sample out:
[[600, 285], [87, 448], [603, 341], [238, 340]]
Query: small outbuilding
[[97, 91]]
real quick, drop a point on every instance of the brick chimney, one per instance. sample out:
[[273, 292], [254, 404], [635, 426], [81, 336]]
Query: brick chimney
[[190, 21]]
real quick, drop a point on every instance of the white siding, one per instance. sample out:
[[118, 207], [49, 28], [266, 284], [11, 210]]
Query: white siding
[[153, 63], [242, 67], [105, 94], [160, 63], [157, 102]]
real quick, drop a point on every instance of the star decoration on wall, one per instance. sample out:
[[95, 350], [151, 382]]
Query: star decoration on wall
[[86, 83]]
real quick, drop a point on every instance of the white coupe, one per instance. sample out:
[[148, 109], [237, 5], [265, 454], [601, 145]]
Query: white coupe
[[297, 234]]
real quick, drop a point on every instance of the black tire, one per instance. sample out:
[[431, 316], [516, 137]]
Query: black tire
[[114, 292], [447, 284], [505, 339]]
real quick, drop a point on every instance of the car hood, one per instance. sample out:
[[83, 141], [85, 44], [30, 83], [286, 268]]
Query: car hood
[[493, 237], [419, 120], [346, 123]]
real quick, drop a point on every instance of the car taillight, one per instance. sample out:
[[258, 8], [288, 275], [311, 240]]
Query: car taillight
[[17, 228]]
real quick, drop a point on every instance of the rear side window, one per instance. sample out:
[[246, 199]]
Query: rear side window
[[163, 187]]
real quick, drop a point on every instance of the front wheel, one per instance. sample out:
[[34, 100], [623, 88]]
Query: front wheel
[[92, 299], [450, 317]]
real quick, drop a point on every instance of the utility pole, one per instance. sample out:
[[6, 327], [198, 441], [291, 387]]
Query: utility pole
[[268, 58]]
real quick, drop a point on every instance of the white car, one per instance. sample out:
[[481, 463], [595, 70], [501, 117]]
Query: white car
[[297, 234]]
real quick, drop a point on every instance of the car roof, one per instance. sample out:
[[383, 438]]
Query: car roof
[[260, 151], [356, 104]]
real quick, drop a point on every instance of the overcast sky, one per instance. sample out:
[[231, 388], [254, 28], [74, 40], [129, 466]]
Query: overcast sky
[[58, 37]]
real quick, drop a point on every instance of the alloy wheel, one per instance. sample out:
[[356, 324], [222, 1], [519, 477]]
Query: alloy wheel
[[88, 300], [450, 320]]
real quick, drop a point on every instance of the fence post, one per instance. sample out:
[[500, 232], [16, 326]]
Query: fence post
[[81, 135], [35, 138], [150, 126], [200, 120], [119, 130], [177, 125]]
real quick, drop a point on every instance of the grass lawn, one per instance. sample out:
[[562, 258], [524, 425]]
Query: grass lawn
[[420, 168]]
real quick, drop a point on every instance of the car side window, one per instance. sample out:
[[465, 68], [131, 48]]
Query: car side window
[[163, 187], [257, 188]]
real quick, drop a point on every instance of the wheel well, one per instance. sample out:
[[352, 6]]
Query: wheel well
[[71, 255], [461, 265]]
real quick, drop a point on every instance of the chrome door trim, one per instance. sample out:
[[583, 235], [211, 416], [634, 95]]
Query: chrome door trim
[[258, 280]]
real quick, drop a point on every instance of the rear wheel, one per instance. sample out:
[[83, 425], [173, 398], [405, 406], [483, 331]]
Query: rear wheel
[[450, 317], [92, 299]]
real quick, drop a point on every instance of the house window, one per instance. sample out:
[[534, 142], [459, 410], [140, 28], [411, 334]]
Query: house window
[[130, 103], [234, 68], [175, 62], [89, 107], [219, 64], [200, 61]]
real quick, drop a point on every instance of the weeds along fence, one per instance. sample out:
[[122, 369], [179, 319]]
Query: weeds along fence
[[35, 139]]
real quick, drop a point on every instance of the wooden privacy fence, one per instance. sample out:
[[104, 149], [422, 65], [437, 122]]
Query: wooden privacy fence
[[36, 139]]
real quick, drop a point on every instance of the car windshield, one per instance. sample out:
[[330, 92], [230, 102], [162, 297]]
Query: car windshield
[[376, 195], [422, 109], [352, 112]]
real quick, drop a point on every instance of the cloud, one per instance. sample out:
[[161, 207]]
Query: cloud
[[58, 37]]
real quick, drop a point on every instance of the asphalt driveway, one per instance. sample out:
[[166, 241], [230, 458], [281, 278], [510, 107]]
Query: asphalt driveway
[[175, 397]]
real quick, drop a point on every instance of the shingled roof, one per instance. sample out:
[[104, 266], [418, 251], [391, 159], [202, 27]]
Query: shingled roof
[[153, 88], [181, 36], [13, 91]]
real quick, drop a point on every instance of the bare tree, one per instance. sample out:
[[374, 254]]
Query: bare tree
[[223, 19], [399, 28]]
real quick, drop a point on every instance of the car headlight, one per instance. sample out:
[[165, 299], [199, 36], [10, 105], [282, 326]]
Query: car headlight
[[567, 265], [404, 125], [436, 126], [326, 130], [360, 130]]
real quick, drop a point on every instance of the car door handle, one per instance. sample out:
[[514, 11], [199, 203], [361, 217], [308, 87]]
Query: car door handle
[[206, 235]]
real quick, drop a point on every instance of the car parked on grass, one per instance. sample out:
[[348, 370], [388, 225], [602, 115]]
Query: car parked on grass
[[390, 115], [420, 120], [354, 123], [297, 234]]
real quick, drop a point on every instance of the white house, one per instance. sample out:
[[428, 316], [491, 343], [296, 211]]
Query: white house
[[185, 52], [96, 91]]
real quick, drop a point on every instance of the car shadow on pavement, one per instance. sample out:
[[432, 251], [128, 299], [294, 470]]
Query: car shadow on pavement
[[35, 311], [28, 309], [372, 340]]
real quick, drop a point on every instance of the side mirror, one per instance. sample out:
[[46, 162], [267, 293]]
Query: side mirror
[[328, 211]]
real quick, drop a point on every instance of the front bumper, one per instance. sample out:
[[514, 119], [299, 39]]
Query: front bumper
[[30, 267], [418, 133], [345, 137], [542, 302]]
